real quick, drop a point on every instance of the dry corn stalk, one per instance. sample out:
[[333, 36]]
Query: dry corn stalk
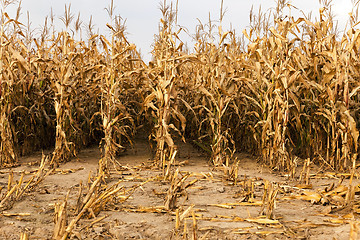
[[16, 191], [354, 230], [269, 200], [163, 90], [24, 236], [305, 173], [231, 172], [88, 205], [60, 218], [177, 187], [195, 227], [116, 120], [8, 63], [65, 86]]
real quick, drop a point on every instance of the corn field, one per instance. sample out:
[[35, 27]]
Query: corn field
[[289, 90], [286, 90]]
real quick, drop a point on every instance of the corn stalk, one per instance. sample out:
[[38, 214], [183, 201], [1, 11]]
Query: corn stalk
[[163, 89]]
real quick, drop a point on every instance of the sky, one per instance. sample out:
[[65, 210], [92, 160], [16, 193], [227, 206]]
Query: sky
[[142, 16]]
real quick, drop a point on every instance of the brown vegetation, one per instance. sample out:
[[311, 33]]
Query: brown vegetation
[[289, 90]]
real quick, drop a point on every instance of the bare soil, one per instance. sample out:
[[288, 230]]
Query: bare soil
[[222, 209]]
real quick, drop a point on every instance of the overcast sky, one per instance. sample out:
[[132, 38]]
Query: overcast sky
[[142, 16]]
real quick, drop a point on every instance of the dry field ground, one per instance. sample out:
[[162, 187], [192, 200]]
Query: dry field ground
[[220, 208]]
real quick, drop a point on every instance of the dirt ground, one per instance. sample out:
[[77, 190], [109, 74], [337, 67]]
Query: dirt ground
[[211, 206]]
